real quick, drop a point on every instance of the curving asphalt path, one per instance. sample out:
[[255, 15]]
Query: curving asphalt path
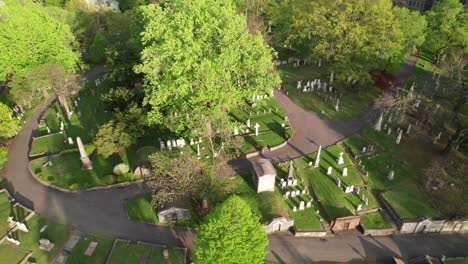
[[102, 212]]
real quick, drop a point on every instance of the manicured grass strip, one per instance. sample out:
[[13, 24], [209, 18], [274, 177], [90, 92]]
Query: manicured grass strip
[[274, 138], [374, 221], [52, 143], [140, 209], [56, 233], [4, 213], [176, 256], [11, 254], [100, 254], [307, 220], [66, 171], [410, 205], [125, 253]]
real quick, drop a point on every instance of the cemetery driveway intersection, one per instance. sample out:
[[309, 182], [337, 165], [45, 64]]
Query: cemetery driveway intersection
[[102, 212]]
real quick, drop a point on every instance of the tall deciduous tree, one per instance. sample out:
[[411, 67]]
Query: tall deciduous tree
[[413, 25], [346, 30], [447, 22], [176, 176], [199, 60], [231, 234], [30, 37]]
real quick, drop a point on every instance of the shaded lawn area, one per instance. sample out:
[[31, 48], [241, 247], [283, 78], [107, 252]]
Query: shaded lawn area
[[102, 251], [130, 253], [410, 204], [11, 254], [456, 261], [374, 221], [266, 119], [66, 171], [356, 142], [52, 143], [56, 233], [307, 219], [176, 256], [352, 103], [5, 211], [274, 138], [140, 209]]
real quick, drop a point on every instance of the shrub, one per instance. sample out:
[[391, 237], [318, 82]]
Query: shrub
[[97, 49], [108, 180], [120, 169], [75, 186]]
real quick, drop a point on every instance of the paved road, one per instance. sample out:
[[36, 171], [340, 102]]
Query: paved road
[[102, 212], [284, 248]]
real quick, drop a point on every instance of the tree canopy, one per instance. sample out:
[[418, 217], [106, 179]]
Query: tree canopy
[[345, 30], [447, 22], [8, 123], [413, 25], [198, 59], [231, 234], [30, 37]]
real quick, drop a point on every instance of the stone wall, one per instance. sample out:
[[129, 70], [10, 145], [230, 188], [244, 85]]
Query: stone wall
[[310, 233], [278, 224], [378, 232], [457, 226]]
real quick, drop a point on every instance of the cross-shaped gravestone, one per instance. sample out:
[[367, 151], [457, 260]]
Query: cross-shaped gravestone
[[257, 126]]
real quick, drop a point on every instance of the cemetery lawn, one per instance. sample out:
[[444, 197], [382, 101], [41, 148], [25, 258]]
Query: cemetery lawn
[[176, 256], [456, 261], [140, 253], [140, 209], [102, 251], [52, 143], [56, 233], [11, 254], [352, 103], [307, 219], [66, 171], [271, 139], [408, 160], [4, 213], [374, 221]]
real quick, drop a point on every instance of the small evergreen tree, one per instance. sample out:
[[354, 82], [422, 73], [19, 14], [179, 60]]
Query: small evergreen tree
[[97, 49]]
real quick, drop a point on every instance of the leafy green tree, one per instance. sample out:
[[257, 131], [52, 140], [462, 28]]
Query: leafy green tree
[[8, 123], [59, 3], [130, 4], [30, 37], [176, 176], [447, 22], [199, 60], [118, 99], [231, 234], [120, 132], [413, 25], [3, 157], [97, 49], [346, 31]]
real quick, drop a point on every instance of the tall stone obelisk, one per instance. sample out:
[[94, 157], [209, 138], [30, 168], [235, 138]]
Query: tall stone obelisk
[[87, 164]]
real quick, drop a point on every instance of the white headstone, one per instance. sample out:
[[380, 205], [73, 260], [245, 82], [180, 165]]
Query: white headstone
[[288, 194], [409, 129], [301, 205], [294, 182], [169, 145], [291, 170], [236, 131], [283, 184], [70, 141], [338, 182], [161, 145], [359, 207], [329, 170], [257, 126], [378, 125], [391, 175], [87, 164], [22, 227], [340, 159], [337, 106], [309, 204], [345, 172], [399, 137], [294, 209], [248, 122]]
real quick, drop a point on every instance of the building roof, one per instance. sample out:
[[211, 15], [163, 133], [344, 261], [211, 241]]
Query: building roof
[[263, 167]]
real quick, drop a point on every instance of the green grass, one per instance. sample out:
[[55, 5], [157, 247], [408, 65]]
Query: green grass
[[307, 219], [130, 253], [4, 213], [274, 138], [352, 104], [140, 209], [410, 204], [374, 221], [66, 171], [52, 143], [102, 251], [176, 256], [11, 254], [56, 233], [456, 261]]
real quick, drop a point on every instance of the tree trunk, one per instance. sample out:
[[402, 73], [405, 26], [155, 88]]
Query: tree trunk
[[63, 102]]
